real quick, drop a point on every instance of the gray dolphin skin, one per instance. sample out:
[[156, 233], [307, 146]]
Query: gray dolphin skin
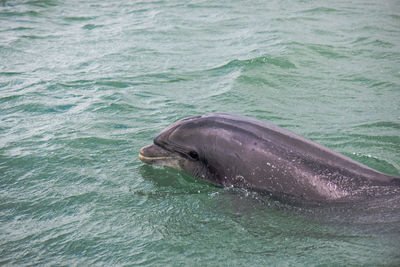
[[235, 151]]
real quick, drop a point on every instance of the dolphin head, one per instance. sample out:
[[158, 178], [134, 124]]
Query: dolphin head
[[183, 146], [220, 148]]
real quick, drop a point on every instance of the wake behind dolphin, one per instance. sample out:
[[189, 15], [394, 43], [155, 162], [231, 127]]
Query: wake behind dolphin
[[233, 150]]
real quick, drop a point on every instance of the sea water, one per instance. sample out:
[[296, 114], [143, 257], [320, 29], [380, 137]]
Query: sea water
[[85, 84]]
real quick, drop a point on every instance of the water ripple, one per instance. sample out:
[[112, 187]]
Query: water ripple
[[85, 84]]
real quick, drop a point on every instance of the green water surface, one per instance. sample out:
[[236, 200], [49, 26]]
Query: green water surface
[[85, 84]]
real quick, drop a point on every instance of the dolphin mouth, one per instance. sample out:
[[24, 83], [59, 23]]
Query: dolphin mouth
[[154, 154]]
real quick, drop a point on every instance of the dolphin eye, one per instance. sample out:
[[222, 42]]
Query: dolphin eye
[[194, 155]]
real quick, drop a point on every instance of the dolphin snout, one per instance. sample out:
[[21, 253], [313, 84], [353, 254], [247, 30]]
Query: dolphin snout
[[152, 153]]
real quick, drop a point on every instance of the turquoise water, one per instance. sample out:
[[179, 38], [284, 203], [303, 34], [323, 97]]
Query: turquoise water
[[85, 84]]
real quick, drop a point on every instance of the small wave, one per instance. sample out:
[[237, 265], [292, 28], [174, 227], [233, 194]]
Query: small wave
[[94, 141], [36, 37], [387, 139], [395, 16], [360, 40], [364, 41], [328, 51], [71, 84], [296, 19], [72, 19], [91, 26], [257, 80], [320, 10], [8, 98], [29, 13], [21, 29], [380, 124], [112, 108], [258, 61], [41, 108], [375, 163], [113, 83], [42, 3]]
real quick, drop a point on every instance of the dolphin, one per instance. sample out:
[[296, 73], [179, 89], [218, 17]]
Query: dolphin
[[230, 150]]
